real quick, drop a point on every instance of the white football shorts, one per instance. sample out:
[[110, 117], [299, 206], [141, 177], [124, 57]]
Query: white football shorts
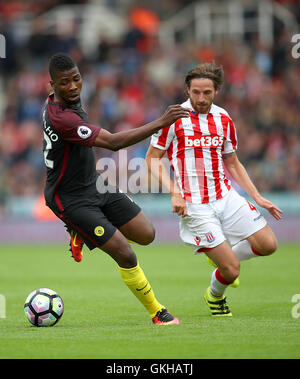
[[231, 218]]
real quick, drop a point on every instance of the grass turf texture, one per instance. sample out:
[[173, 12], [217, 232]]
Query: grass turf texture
[[103, 319]]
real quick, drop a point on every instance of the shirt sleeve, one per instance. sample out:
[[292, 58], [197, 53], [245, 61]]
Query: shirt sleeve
[[163, 138], [74, 129], [230, 143]]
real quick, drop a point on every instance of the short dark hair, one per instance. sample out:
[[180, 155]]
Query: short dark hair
[[208, 71], [59, 63]]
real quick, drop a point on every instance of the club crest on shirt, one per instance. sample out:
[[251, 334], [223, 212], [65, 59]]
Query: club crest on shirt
[[83, 131], [220, 130], [99, 231]]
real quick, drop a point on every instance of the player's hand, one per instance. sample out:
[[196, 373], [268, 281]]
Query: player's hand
[[270, 207], [173, 113], [178, 205]]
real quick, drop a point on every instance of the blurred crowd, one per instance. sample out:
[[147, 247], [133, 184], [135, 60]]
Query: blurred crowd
[[131, 82]]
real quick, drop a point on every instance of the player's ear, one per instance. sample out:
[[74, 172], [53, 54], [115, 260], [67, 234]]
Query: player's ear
[[187, 91], [49, 87]]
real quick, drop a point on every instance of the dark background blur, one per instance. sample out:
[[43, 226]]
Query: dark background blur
[[133, 56]]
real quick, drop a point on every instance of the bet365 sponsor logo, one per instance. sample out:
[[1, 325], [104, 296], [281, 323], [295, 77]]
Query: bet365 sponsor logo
[[205, 141]]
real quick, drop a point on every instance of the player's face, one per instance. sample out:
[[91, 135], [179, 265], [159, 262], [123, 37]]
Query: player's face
[[67, 85], [202, 93]]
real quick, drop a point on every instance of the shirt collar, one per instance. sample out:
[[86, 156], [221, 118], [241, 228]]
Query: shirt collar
[[188, 104]]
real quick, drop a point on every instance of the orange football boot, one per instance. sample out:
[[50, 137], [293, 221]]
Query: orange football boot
[[163, 317], [76, 245]]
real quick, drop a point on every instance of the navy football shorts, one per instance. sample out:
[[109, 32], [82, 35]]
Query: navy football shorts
[[96, 224]]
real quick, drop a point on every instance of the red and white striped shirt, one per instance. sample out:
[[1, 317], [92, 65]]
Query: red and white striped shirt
[[195, 146]]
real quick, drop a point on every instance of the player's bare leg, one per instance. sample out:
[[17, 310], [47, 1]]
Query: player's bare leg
[[133, 276], [264, 241], [139, 229], [226, 261], [119, 249]]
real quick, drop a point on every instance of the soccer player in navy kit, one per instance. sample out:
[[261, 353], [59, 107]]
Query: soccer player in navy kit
[[107, 220]]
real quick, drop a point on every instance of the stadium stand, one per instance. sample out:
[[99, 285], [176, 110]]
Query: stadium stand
[[131, 75]]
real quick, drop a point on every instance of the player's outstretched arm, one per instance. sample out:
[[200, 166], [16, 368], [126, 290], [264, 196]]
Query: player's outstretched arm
[[241, 177], [116, 141]]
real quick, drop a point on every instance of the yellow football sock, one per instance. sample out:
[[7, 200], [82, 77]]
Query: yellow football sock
[[132, 242], [137, 282]]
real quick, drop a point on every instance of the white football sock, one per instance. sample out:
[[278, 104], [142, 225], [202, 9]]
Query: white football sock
[[244, 251], [218, 284]]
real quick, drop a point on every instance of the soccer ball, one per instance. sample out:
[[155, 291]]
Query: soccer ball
[[43, 307]]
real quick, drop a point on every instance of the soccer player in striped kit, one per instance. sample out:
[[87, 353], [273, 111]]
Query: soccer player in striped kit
[[215, 219]]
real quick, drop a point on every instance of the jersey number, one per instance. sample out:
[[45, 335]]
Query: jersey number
[[48, 162]]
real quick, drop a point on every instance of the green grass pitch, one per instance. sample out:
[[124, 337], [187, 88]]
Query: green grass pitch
[[102, 319]]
